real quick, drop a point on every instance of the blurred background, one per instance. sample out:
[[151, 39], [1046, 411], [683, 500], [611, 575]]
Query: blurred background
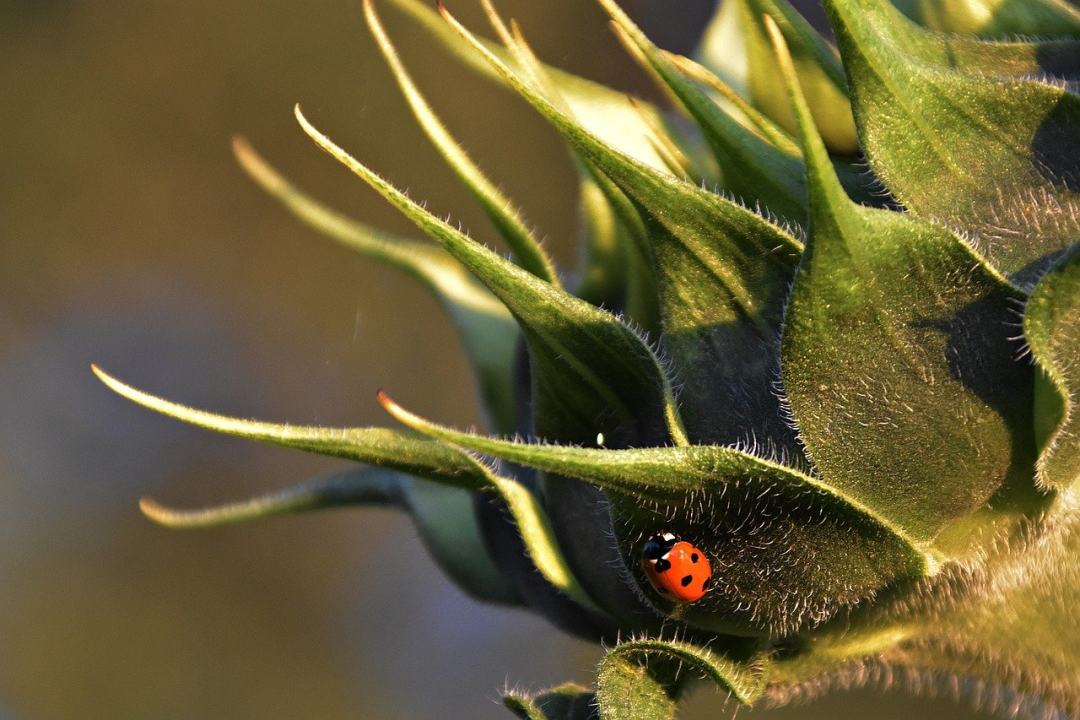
[[130, 238]]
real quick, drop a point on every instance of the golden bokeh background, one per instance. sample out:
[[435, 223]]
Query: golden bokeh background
[[131, 239]]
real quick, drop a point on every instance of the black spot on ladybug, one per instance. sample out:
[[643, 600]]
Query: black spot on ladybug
[[693, 557], [662, 565], [686, 580]]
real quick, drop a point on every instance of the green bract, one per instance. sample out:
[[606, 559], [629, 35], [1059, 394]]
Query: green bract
[[856, 392]]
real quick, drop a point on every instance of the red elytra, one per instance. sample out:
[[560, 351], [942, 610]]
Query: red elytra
[[676, 569]]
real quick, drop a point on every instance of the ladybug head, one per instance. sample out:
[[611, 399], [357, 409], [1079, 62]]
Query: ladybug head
[[658, 545]]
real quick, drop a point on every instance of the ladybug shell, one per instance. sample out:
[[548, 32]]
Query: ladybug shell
[[682, 573]]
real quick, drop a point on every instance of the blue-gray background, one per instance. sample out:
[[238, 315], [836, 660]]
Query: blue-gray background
[[129, 238]]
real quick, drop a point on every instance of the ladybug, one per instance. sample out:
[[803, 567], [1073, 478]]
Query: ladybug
[[678, 570]]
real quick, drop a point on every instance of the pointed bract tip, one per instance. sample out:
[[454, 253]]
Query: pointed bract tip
[[441, 8], [118, 387], [240, 145], [178, 519], [155, 511], [773, 29], [399, 413], [306, 125], [387, 403], [249, 159], [516, 31], [104, 377]]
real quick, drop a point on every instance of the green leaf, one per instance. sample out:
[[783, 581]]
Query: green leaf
[[363, 486], [536, 532], [1012, 623], [995, 18], [604, 265], [1052, 329], [736, 46], [602, 110], [644, 679], [897, 359], [499, 209], [639, 303], [562, 411], [488, 332], [443, 516], [1054, 59], [396, 450], [722, 271], [393, 449], [588, 367], [789, 550], [722, 48], [446, 521], [721, 281], [563, 702], [995, 157], [752, 168], [758, 121], [1002, 632], [722, 286]]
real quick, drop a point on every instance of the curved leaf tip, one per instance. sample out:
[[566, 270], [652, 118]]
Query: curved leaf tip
[[161, 514], [403, 416], [368, 486]]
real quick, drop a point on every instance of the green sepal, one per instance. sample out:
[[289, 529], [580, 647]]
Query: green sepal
[[585, 362], [1052, 329], [443, 517], [1055, 60], [603, 277], [639, 303], [603, 110], [579, 514], [720, 281], [722, 284], [506, 219], [757, 120], [1000, 632], [396, 450], [370, 487], [563, 702], [750, 67], [994, 156], [741, 264], [1011, 623], [751, 167], [487, 330], [897, 358], [536, 532], [995, 18], [793, 549], [644, 679]]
